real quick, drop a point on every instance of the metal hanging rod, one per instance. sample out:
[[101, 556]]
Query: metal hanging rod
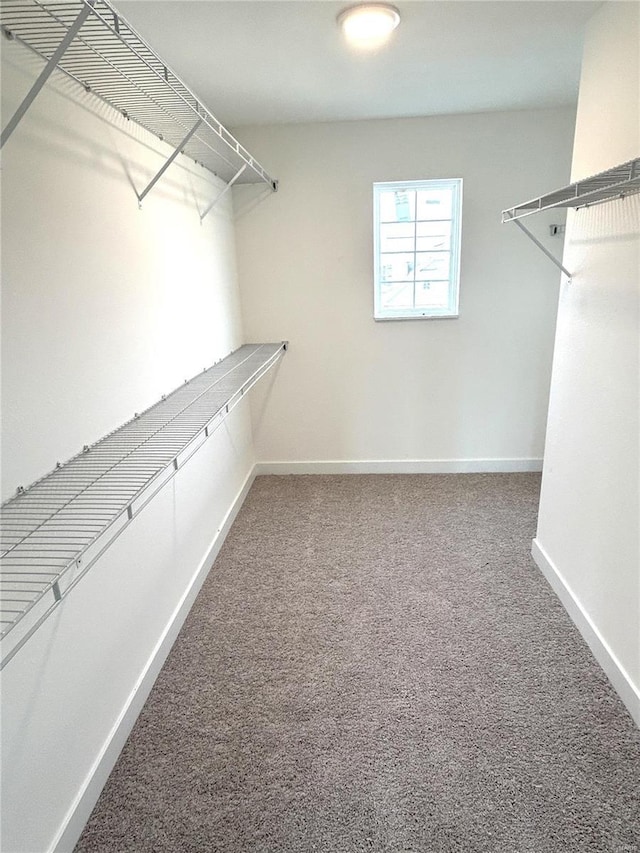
[[615, 183], [94, 45], [52, 532]]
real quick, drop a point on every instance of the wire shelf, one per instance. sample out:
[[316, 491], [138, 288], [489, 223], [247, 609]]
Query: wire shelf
[[109, 58], [615, 183], [52, 532]]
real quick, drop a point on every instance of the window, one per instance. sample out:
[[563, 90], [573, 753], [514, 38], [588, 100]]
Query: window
[[416, 248]]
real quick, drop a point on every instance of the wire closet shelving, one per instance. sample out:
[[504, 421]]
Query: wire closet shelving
[[94, 45], [52, 532], [614, 183]]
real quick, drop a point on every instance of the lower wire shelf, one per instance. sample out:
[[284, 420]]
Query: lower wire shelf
[[53, 532]]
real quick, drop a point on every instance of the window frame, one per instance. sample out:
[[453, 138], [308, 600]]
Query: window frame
[[451, 311]]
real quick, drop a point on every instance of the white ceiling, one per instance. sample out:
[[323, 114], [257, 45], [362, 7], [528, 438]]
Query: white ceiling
[[279, 61]]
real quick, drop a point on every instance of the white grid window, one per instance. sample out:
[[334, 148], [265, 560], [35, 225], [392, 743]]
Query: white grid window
[[417, 248]]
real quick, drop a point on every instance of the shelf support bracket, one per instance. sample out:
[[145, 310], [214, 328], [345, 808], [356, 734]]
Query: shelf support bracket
[[71, 33], [223, 192], [176, 151], [542, 248]]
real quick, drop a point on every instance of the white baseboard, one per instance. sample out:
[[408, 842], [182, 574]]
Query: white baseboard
[[615, 672], [87, 797], [401, 466]]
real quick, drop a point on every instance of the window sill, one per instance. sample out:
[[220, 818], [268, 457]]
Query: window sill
[[417, 317]]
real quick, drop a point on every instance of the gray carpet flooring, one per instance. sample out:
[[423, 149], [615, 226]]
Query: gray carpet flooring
[[375, 664]]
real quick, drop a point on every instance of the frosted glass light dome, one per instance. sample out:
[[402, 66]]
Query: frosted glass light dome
[[369, 24]]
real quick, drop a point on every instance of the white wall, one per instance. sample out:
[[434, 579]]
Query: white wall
[[414, 395], [587, 538], [105, 307]]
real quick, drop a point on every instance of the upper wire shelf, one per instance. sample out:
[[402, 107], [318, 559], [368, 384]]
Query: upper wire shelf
[[52, 532], [615, 183], [106, 56]]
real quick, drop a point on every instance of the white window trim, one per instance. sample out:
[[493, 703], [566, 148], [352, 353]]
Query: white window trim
[[451, 311]]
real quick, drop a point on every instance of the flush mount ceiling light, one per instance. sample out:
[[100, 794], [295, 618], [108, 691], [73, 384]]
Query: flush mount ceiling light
[[369, 24]]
